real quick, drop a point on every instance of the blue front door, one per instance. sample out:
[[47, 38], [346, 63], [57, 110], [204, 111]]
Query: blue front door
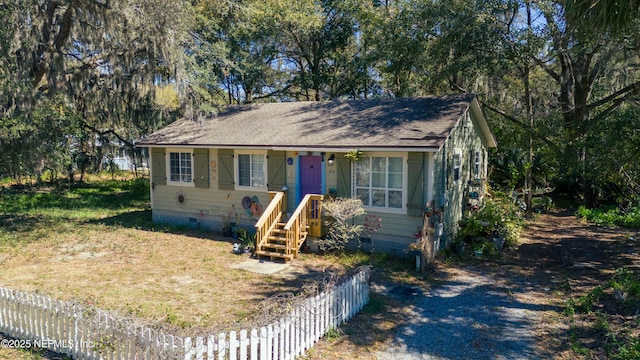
[[310, 175]]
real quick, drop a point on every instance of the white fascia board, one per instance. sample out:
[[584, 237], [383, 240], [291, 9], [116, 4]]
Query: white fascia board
[[299, 148]]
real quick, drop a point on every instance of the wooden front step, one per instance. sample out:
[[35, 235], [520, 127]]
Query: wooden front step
[[274, 255], [276, 244]]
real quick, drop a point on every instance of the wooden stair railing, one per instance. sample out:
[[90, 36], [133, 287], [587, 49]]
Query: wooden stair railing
[[284, 240], [269, 219]]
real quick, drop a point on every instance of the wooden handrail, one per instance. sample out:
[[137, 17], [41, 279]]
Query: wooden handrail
[[296, 227], [306, 216], [299, 210], [270, 217]]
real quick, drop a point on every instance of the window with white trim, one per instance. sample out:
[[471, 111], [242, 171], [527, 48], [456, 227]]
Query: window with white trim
[[477, 165], [456, 167], [180, 168], [251, 170], [379, 181]]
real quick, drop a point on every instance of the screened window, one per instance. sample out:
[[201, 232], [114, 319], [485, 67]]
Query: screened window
[[456, 168], [477, 165], [180, 167], [380, 181], [251, 170]]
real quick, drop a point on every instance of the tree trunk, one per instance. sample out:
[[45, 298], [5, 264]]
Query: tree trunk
[[528, 182]]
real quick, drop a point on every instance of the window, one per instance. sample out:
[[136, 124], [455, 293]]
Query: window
[[380, 181], [456, 168], [476, 168], [251, 170], [180, 169]]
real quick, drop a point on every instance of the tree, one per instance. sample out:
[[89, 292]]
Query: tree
[[589, 74], [604, 15], [93, 61]]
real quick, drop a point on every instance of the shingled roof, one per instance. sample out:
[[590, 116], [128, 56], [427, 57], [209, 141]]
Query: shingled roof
[[420, 122]]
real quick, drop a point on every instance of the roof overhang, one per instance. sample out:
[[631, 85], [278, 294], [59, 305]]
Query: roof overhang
[[485, 132]]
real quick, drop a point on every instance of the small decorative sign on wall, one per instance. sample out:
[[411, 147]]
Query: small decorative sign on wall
[[290, 161]]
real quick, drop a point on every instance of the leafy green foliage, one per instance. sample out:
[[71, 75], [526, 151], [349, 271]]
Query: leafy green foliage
[[498, 217], [82, 75], [619, 296], [604, 15], [610, 216], [556, 93]]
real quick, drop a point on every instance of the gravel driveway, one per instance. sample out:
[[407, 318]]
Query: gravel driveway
[[466, 315]]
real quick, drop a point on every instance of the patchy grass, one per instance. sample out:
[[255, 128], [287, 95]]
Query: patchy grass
[[95, 244], [607, 316]]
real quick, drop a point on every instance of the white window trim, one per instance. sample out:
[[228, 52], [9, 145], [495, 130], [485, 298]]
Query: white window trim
[[405, 167], [477, 164], [457, 152], [236, 167], [168, 167]]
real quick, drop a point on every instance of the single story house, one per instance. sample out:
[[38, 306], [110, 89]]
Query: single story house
[[408, 157]]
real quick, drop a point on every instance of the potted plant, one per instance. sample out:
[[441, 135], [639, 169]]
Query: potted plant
[[459, 244], [247, 240], [235, 230], [226, 229], [415, 249], [354, 155], [478, 248], [497, 236]]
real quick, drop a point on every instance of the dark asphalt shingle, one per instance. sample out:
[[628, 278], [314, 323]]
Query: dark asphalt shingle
[[420, 122]]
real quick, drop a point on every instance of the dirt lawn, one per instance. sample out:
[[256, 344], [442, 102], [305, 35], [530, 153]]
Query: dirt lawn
[[183, 282], [559, 258]]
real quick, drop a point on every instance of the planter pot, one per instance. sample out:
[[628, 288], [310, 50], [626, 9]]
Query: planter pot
[[499, 243], [460, 248], [477, 253], [313, 244]]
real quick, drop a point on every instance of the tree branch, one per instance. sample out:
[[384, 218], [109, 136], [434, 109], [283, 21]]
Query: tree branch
[[523, 125], [105, 132], [631, 89]]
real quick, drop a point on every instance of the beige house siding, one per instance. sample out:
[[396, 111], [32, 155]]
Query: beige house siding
[[205, 208], [397, 230], [209, 207], [427, 131], [393, 237]]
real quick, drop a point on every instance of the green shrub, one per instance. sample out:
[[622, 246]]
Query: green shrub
[[543, 203], [341, 212], [503, 217], [610, 216]]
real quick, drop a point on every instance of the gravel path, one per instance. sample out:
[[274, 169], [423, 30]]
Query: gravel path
[[466, 315]]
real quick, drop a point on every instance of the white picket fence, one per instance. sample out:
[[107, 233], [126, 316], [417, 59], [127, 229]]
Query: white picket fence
[[41, 322]]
